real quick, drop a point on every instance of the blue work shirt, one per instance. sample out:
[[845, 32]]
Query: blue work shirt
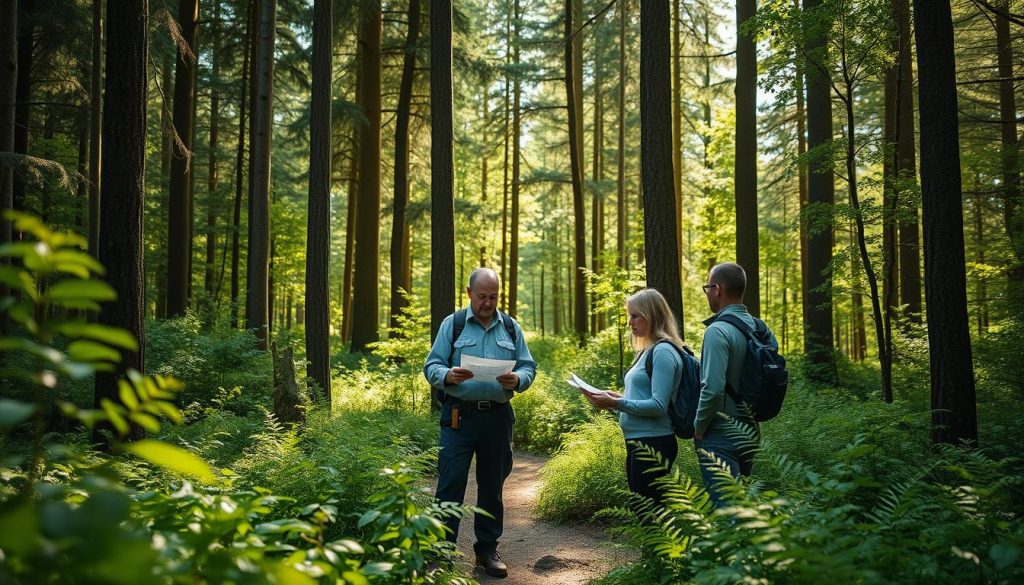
[[491, 342]]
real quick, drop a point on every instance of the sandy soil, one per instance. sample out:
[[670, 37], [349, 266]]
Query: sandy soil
[[537, 551]]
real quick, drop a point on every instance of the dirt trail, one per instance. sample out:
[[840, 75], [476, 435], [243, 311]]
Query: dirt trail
[[537, 551]]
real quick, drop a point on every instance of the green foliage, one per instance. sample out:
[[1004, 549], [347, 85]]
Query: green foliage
[[586, 474], [867, 518]]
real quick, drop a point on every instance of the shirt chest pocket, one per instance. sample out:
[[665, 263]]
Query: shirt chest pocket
[[506, 348]]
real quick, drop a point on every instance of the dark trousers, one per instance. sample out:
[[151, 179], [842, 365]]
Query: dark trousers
[[723, 444], [488, 435], [640, 472]]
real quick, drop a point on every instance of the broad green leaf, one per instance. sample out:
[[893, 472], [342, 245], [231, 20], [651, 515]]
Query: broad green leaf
[[14, 412], [13, 277], [74, 289], [127, 394], [67, 258], [287, 575], [90, 351], [355, 578], [79, 304], [172, 458], [114, 414], [105, 333], [146, 421]]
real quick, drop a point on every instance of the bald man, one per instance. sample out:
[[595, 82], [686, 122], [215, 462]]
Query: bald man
[[476, 414]]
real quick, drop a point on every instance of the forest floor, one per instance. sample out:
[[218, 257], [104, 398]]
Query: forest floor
[[538, 551]]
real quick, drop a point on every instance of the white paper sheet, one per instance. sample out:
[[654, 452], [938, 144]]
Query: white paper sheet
[[485, 368], [576, 382]]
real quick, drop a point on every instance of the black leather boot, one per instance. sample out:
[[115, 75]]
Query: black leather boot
[[492, 564]]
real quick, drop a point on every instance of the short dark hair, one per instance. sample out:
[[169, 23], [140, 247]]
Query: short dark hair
[[473, 276], [731, 277]]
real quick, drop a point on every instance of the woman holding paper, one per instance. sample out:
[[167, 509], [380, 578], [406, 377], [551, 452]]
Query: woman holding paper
[[643, 409]]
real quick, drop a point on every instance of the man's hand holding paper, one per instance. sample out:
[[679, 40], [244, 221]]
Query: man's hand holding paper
[[486, 368]]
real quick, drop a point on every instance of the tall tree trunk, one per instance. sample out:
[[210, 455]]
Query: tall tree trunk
[[236, 216], [746, 156], [212, 181], [517, 93], [574, 101], [485, 142], [979, 248], [954, 411], [597, 200], [23, 92], [677, 121], [906, 169], [399, 243], [350, 240], [95, 115], [818, 335], [8, 100], [505, 183], [801, 150], [365, 324], [179, 209], [257, 276], [661, 249], [620, 177], [1012, 215], [124, 181], [316, 311], [442, 167]]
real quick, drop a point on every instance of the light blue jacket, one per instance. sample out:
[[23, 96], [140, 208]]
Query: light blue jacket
[[644, 407], [492, 342], [721, 359]]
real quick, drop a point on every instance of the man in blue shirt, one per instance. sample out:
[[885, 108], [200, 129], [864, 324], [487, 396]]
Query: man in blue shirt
[[476, 415], [723, 352]]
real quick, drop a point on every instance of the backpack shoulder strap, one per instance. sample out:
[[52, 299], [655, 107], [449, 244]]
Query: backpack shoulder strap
[[737, 323], [510, 325], [649, 358], [458, 324]]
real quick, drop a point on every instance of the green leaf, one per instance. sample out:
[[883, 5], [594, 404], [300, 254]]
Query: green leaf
[[115, 416], [81, 290], [14, 412], [109, 335], [127, 394], [355, 578], [72, 261], [146, 421], [173, 459], [1003, 555], [90, 351]]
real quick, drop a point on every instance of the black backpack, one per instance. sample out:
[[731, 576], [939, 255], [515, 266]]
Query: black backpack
[[682, 409], [764, 379]]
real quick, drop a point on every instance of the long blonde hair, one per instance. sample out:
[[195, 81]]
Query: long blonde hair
[[653, 307]]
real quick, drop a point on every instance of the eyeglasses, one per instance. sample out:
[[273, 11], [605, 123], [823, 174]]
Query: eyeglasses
[[708, 287]]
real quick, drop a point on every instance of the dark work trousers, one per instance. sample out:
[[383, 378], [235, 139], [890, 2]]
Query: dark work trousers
[[721, 441], [488, 435], [640, 472]]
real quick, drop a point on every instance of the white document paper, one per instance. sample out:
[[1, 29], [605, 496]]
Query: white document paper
[[576, 382], [486, 368]]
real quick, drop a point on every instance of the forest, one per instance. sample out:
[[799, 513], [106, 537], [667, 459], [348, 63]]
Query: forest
[[232, 229]]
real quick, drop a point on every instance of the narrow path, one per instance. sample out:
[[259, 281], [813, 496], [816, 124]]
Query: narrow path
[[537, 551]]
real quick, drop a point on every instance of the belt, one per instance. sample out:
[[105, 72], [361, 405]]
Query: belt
[[477, 404]]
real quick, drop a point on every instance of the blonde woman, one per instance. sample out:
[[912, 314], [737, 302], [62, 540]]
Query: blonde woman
[[644, 417]]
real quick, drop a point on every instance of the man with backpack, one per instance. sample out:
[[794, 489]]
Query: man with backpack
[[743, 381], [476, 415]]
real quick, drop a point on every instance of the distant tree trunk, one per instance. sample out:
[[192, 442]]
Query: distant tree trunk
[[801, 150], [979, 249], [906, 168], [1012, 215], [212, 182], [746, 156], [597, 201], [485, 142], [954, 411], [179, 209], [95, 115], [166, 152], [318, 226], [124, 181], [8, 100], [236, 217], [350, 240], [556, 286], [661, 249], [257, 298], [620, 170], [23, 92], [505, 182], [367, 253], [517, 91], [399, 242], [574, 101], [442, 167], [818, 335]]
